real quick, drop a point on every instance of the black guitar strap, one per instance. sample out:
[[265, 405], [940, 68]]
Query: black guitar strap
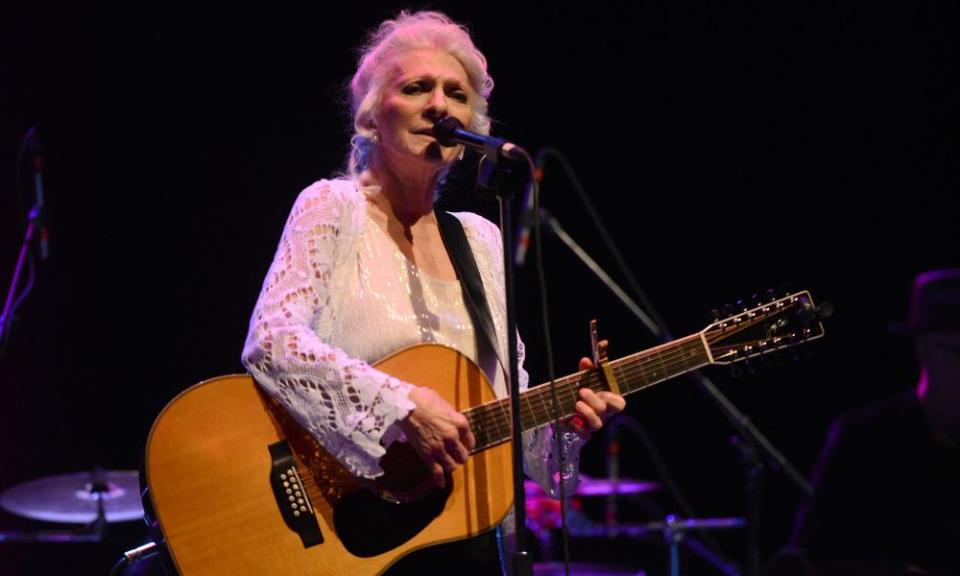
[[455, 240]]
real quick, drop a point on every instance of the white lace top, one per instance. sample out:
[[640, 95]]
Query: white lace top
[[340, 295], [393, 305]]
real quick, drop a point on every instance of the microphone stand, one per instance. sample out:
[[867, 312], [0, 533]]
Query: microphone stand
[[6, 316], [494, 175], [754, 449], [754, 446], [35, 217]]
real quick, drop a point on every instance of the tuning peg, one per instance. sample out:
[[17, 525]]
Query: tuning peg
[[729, 310], [784, 289], [809, 314], [714, 315], [741, 305], [755, 301], [771, 294]]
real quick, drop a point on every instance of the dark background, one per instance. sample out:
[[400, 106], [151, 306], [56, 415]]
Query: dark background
[[729, 147]]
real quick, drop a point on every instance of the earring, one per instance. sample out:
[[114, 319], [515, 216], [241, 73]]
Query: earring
[[462, 150], [375, 138]]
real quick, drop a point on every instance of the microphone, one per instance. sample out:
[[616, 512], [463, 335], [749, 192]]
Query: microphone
[[33, 145], [526, 215], [449, 132]]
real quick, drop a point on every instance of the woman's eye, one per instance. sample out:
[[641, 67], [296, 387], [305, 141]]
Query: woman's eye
[[460, 96], [412, 89]]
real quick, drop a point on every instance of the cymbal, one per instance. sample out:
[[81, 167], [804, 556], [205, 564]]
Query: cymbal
[[590, 486], [603, 487], [71, 499]]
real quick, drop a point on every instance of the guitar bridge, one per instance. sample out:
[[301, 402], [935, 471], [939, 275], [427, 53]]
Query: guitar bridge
[[292, 499]]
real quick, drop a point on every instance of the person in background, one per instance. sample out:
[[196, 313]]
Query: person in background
[[887, 484]]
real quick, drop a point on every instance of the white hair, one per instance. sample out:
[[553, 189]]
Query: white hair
[[411, 31]]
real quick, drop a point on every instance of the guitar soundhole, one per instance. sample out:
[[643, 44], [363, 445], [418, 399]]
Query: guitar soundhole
[[368, 525], [395, 508]]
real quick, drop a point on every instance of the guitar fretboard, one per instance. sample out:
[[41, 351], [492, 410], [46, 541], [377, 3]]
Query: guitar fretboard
[[490, 422]]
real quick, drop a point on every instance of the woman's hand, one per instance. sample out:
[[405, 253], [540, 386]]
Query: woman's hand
[[594, 408], [439, 434]]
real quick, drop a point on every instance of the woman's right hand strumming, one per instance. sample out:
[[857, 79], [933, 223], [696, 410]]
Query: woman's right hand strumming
[[439, 434]]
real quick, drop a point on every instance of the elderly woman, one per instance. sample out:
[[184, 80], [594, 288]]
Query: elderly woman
[[362, 271]]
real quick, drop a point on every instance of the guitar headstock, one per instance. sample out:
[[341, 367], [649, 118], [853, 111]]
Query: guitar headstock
[[779, 324]]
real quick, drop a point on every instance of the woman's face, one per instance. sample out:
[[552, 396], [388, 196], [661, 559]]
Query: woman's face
[[422, 87]]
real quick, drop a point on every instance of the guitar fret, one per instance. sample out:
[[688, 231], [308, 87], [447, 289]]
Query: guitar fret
[[691, 357], [618, 374], [546, 400], [481, 431], [574, 391], [503, 421]]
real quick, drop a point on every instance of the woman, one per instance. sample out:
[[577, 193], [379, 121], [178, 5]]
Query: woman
[[362, 271]]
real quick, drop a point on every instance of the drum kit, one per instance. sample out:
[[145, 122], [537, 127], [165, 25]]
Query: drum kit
[[92, 499]]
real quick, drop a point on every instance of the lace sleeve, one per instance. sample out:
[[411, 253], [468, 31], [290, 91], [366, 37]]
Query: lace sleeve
[[344, 402], [540, 455]]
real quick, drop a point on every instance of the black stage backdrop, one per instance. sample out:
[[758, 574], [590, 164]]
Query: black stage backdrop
[[729, 147]]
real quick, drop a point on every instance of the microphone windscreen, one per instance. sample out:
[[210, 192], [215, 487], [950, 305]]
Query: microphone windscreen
[[444, 129]]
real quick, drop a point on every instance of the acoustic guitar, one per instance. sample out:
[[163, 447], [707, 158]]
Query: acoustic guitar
[[236, 487]]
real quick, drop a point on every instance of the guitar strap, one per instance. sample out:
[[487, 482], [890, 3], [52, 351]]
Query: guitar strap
[[455, 240]]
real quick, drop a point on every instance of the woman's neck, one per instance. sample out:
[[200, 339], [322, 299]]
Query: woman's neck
[[410, 196]]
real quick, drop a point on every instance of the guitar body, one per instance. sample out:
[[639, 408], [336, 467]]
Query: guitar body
[[213, 473]]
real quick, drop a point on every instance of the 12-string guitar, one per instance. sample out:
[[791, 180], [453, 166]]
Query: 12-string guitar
[[237, 487]]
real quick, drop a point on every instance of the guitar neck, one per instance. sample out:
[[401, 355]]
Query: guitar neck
[[490, 422]]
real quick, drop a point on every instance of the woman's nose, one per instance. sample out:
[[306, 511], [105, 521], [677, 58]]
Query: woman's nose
[[437, 106]]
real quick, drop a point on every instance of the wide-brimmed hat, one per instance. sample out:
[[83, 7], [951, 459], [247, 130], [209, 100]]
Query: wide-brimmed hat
[[934, 303]]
